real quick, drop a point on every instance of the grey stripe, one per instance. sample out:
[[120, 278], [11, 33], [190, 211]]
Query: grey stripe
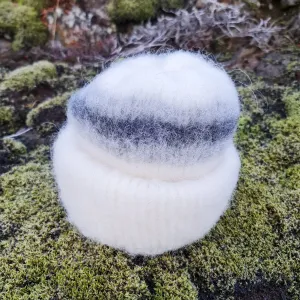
[[149, 131]]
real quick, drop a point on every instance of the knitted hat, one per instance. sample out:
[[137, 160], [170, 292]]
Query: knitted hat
[[146, 161]]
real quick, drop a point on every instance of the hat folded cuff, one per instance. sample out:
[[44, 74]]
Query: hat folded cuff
[[110, 201]]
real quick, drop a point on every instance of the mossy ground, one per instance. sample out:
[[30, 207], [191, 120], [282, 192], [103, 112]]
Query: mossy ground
[[252, 253]]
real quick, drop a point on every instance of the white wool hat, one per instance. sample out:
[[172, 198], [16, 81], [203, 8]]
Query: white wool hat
[[146, 161]]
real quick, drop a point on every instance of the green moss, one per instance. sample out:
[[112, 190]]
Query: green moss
[[122, 11], [250, 254], [28, 77], [292, 104], [14, 146], [40, 155], [12, 152], [23, 23], [38, 5], [7, 119], [51, 112], [170, 279], [254, 245], [292, 66], [292, 69]]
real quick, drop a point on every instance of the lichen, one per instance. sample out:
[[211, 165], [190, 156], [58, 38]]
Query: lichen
[[28, 77], [23, 24]]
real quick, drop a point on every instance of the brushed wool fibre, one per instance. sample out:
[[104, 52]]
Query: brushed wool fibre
[[146, 161]]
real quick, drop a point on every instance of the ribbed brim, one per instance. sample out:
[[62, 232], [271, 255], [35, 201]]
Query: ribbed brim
[[140, 215]]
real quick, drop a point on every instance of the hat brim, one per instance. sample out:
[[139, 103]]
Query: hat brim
[[139, 215]]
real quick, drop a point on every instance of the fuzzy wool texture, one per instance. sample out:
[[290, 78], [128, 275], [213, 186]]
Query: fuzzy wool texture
[[146, 161]]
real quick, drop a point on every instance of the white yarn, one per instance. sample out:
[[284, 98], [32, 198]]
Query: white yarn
[[149, 191], [143, 86], [179, 88]]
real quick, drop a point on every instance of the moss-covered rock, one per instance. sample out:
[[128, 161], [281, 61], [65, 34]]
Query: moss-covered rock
[[292, 103], [8, 120], [250, 254], [23, 24], [49, 114], [23, 89], [253, 249], [28, 77], [35, 96], [122, 11], [12, 152], [15, 147], [282, 67]]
